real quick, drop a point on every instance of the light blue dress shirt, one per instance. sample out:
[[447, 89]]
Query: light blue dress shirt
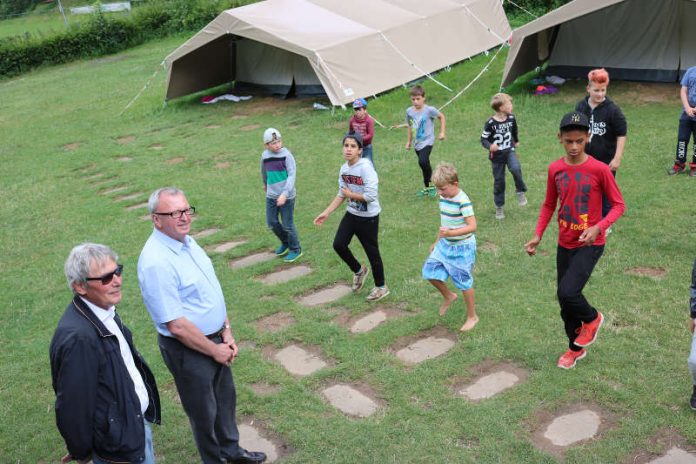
[[178, 280]]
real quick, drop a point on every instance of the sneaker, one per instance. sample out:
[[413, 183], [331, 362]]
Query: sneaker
[[432, 191], [608, 231], [692, 401], [293, 256], [521, 199], [282, 250], [378, 293], [570, 357], [692, 169], [359, 278], [422, 193], [588, 331], [676, 169], [499, 214]]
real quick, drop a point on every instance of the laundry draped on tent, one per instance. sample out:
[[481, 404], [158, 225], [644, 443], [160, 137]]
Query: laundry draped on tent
[[639, 40], [342, 48]]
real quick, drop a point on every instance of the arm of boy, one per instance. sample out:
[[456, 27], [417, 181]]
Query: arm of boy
[[409, 136], [335, 203], [684, 94], [589, 235], [441, 117], [469, 228], [531, 246], [615, 162]]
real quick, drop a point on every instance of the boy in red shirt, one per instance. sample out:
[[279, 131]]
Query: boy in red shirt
[[363, 124], [578, 182]]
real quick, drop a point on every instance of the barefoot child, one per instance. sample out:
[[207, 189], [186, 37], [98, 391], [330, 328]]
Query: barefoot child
[[454, 252], [577, 181], [357, 181]]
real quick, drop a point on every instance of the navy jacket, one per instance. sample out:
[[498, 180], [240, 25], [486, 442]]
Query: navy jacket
[[97, 409]]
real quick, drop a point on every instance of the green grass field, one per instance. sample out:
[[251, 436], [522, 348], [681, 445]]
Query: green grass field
[[58, 126]]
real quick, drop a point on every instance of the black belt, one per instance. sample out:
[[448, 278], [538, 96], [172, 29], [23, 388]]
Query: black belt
[[216, 334]]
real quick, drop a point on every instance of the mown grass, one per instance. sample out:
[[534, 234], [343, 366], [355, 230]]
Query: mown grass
[[636, 371]]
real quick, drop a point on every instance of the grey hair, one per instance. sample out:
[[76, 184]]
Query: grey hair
[[153, 201], [80, 259]]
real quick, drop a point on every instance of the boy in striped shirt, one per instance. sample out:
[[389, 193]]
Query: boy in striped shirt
[[454, 252]]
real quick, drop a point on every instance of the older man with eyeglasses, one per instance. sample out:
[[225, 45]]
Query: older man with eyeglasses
[[185, 300], [106, 395]]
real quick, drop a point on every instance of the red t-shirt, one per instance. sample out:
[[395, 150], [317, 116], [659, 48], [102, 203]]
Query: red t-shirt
[[580, 189], [364, 127]]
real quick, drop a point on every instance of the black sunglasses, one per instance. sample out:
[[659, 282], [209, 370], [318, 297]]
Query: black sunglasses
[[107, 278]]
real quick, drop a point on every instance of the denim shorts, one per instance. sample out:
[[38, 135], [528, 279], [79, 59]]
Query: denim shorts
[[452, 261]]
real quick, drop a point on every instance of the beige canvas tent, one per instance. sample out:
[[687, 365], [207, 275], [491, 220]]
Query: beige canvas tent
[[640, 40], [343, 48]]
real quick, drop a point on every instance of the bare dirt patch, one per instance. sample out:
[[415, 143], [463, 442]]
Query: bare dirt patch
[[285, 275], [239, 116], [356, 399], [212, 126], [663, 444], [223, 165], [428, 344], [274, 323], [488, 379], [156, 146], [175, 160], [645, 271], [146, 217], [255, 435], [264, 389], [360, 323], [72, 146], [125, 139], [250, 260], [205, 233], [542, 420], [298, 360], [250, 127], [325, 295], [96, 176], [124, 159], [489, 247]]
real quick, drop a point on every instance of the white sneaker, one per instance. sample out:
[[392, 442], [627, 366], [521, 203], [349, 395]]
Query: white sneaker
[[359, 278], [499, 214], [378, 293], [521, 199]]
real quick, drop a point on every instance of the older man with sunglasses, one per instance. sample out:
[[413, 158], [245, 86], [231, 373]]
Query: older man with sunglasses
[[185, 300], [106, 395]]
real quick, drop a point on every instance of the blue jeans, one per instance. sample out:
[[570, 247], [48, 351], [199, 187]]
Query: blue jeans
[[367, 153], [149, 451], [285, 228], [513, 164]]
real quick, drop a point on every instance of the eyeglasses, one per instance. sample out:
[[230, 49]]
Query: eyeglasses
[[177, 214], [107, 278]]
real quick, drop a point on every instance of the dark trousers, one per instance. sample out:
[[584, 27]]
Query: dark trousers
[[687, 130], [366, 229], [574, 267], [424, 163], [513, 164], [207, 393]]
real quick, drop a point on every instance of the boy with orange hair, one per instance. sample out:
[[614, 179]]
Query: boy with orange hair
[[607, 125]]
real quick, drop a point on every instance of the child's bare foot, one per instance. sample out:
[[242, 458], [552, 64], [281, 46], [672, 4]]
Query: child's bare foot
[[469, 324], [448, 301]]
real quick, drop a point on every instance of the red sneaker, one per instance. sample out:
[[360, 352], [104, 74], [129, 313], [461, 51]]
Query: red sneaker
[[570, 357], [588, 331]]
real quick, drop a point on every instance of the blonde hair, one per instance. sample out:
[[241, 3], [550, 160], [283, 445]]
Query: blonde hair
[[444, 174], [499, 99]]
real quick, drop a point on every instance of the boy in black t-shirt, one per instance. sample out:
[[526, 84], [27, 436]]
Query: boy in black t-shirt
[[499, 137]]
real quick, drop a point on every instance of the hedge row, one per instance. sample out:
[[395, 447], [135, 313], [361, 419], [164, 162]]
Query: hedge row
[[102, 34]]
